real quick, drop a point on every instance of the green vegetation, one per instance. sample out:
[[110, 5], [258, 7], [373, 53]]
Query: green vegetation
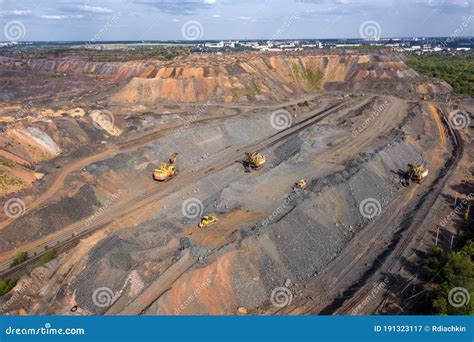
[[163, 54], [303, 104], [168, 56], [307, 76], [48, 256], [20, 257], [453, 277], [238, 92], [457, 70], [255, 88], [250, 90], [6, 286], [7, 180], [108, 53], [7, 163], [364, 48], [434, 261]]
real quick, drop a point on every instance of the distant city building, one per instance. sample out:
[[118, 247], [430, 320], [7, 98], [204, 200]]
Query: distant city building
[[348, 45]]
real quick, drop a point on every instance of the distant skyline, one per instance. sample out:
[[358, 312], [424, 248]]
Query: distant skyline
[[91, 20]]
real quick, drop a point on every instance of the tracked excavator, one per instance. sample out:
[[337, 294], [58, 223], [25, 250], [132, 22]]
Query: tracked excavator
[[166, 170], [416, 173], [300, 185], [254, 161], [207, 221]]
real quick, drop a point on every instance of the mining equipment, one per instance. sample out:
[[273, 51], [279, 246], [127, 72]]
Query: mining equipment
[[254, 161], [166, 170], [301, 185], [416, 173], [207, 221]]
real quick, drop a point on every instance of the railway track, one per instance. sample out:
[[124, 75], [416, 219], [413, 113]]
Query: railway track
[[407, 234]]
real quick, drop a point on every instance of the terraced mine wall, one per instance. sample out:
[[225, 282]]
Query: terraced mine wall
[[256, 77]]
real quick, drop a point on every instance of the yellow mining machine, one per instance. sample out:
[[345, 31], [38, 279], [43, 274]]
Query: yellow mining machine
[[416, 173], [254, 161], [300, 185], [166, 170], [207, 221]]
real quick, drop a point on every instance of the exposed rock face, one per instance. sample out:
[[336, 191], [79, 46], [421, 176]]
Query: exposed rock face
[[32, 133], [43, 140], [42, 135], [243, 77], [263, 78]]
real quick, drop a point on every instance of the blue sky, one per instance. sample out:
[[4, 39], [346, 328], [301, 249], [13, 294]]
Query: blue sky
[[226, 19]]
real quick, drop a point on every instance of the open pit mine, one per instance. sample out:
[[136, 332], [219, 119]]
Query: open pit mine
[[252, 183]]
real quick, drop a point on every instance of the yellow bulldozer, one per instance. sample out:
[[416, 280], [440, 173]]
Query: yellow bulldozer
[[254, 161], [166, 170], [416, 173], [207, 221]]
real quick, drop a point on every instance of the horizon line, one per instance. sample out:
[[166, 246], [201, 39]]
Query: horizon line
[[232, 39]]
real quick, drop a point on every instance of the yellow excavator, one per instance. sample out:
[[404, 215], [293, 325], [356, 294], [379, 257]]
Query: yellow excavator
[[416, 173], [300, 185], [166, 170], [207, 221], [254, 161]]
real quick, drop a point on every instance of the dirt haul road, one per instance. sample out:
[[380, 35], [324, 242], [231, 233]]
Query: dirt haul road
[[328, 162], [187, 177], [412, 229], [358, 281]]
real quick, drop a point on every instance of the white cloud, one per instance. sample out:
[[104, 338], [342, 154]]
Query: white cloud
[[60, 17], [53, 17], [244, 18], [94, 9], [210, 2], [447, 3], [216, 15], [15, 12]]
